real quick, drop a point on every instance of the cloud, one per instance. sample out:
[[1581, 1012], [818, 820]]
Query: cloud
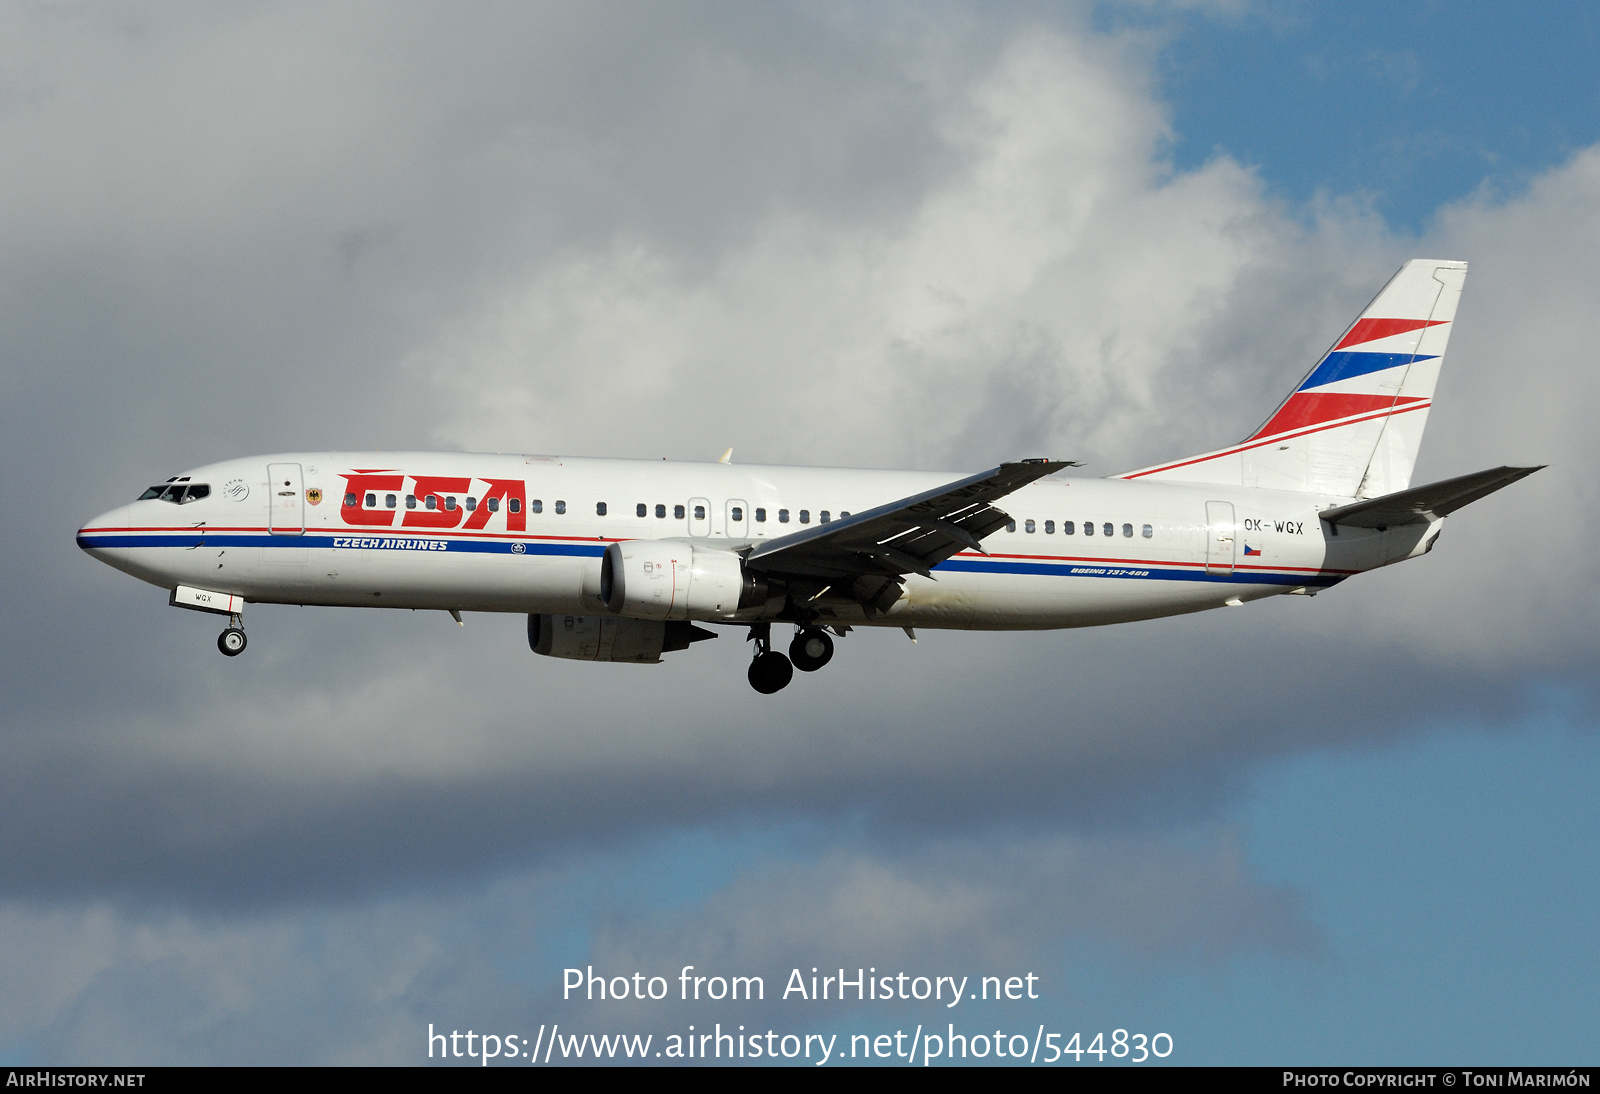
[[360, 983], [1039, 271], [972, 903]]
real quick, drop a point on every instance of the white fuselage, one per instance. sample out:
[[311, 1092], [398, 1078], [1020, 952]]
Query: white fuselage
[[512, 533]]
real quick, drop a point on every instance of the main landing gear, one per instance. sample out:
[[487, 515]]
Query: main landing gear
[[811, 649], [771, 671], [232, 641]]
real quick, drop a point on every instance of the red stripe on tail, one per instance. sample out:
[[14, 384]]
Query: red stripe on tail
[[1370, 330], [1314, 408]]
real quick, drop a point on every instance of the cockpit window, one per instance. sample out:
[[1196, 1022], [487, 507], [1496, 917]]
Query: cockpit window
[[178, 493]]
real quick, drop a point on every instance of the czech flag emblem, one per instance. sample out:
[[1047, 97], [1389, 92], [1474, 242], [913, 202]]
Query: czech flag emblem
[[1249, 550]]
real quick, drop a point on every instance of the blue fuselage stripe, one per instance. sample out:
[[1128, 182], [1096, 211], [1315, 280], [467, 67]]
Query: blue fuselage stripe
[[1113, 569], [372, 543], [1109, 568]]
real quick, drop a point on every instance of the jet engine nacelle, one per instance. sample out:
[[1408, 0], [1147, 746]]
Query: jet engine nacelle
[[671, 579], [609, 638]]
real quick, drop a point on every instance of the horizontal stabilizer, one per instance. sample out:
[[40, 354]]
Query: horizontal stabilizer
[[1426, 503]]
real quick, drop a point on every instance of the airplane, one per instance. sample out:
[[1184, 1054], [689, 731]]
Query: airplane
[[623, 560]]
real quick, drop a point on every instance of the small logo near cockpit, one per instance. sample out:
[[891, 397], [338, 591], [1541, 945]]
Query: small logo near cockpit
[[236, 489], [314, 495]]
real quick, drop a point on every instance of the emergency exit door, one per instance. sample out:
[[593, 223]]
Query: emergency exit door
[[699, 517]]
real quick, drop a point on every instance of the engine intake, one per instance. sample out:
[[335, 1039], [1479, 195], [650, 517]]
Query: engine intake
[[608, 638], [671, 579]]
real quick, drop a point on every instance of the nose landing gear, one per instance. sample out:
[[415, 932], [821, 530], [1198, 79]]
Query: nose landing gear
[[232, 641]]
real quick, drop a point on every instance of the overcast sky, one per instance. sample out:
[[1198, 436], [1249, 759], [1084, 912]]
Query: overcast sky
[[1351, 828]]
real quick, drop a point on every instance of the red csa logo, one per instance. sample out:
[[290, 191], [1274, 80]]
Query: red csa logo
[[440, 501]]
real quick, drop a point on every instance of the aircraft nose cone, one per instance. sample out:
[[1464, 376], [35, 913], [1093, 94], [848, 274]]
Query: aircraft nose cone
[[93, 535]]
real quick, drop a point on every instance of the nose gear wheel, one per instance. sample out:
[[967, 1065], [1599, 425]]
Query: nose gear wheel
[[232, 642]]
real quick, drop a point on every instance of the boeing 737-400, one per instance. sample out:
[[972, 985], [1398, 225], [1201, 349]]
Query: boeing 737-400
[[621, 560]]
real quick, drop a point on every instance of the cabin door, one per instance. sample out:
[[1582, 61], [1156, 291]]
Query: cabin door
[[286, 498], [1221, 536]]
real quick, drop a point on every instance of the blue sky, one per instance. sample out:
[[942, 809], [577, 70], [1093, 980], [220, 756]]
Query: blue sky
[[1450, 879], [1408, 106], [1354, 829]]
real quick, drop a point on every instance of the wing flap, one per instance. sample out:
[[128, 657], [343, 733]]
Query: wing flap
[[1422, 504]]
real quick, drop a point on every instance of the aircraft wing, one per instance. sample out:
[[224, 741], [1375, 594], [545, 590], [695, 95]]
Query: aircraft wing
[[864, 554], [1425, 503]]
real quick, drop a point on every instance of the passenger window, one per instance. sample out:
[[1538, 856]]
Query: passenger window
[[431, 501], [372, 501], [1148, 531], [761, 516], [783, 516], [641, 509], [661, 511], [1068, 528], [561, 506], [1127, 531], [1088, 527], [805, 516], [1049, 527], [516, 506], [1011, 526], [1108, 529], [350, 501], [450, 502], [843, 515], [388, 501], [599, 508], [411, 501], [493, 505], [677, 512], [823, 517], [472, 504], [1027, 526], [738, 514], [699, 512]]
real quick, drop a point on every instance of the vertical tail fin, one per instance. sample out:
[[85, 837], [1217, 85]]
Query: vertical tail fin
[[1352, 427]]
